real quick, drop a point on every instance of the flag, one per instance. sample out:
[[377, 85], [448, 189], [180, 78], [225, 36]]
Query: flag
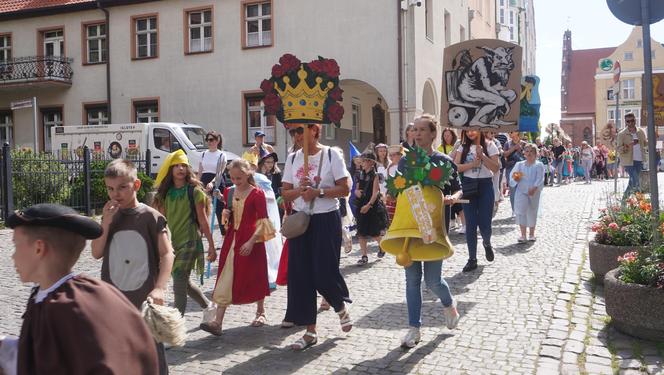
[[353, 151], [616, 72]]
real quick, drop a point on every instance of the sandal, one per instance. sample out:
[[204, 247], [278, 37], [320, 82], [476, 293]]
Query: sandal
[[213, 328], [345, 320], [364, 260], [259, 321], [302, 343]]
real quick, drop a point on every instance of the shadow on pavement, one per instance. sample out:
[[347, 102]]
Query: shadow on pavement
[[459, 282], [515, 248], [432, 315], [399, 360]]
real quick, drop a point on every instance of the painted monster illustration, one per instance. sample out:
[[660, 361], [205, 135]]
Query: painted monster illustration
[[477, 89]]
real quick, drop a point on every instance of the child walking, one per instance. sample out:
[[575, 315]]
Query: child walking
[[527, 179], [136, 251], [242, 276], [372, 215], [181, 199]]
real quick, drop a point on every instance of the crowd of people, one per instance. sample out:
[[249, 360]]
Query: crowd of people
[[142, 246]]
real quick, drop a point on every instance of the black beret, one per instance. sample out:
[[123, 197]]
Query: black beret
[[57, 216]]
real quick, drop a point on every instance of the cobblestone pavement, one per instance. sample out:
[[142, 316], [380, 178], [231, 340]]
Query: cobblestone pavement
[[535, 309]]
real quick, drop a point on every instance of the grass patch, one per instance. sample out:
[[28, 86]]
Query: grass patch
[[638, 354], [615, 365]]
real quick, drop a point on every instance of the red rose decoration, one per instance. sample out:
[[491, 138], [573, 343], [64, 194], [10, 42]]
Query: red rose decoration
[[278, 70], [289, 62], [331, 68], [335, 112], [267, 86], [336, 94], [435, 174], [316, 66], [272, 103]]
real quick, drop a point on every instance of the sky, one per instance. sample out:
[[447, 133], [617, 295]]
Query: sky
[[592, 25]]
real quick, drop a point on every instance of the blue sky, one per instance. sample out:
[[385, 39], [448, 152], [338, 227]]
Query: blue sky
[[592, 26]]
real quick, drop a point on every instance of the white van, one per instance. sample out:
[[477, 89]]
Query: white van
[[131, 140]]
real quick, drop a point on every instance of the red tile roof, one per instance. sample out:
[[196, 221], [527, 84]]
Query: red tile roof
[[11, 6], [581, 81]]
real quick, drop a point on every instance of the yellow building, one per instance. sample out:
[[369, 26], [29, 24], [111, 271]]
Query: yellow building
[[630, 56]]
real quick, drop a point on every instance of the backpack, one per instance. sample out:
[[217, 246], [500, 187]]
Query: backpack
[[193, 216]]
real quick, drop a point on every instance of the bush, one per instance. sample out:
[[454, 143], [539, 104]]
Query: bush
[[645, 267], [626, 224], [38, 178]]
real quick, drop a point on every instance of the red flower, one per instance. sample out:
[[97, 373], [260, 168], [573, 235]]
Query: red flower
[[336, 94], [289, 62], [331, 68], [435, 174], [272, 103], [278, 70], [316, 66], [267, 86], [335, 112]]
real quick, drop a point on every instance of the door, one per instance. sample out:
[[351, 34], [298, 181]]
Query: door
[[161, 144], [54, 47], [50, 118], [378, 124]]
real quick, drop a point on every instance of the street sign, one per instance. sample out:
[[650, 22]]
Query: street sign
[[606, 65], [629, 11], [25, 103]]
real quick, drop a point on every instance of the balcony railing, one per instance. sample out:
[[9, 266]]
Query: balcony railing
[[36, 69]]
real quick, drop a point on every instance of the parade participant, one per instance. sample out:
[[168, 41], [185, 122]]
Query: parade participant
[[242, 277], [449, 139], [490, 137], [382, 162], [260, 147], [136, 251], [425, 133], [478, 161], [268, 167], [587, 155], [448, 147], [211, 169], [611, 163], [180, 198], [513, 153], [73, 324], [409, 137], [372, 216], [527, 179], [632, 148], [558, 162], [313, 257], [395, 154]]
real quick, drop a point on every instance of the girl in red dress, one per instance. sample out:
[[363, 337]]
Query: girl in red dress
[[242, 276]]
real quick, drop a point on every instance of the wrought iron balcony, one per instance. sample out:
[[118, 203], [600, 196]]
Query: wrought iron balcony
[[36, 69]]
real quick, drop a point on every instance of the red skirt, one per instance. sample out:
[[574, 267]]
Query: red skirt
[[282, 273]]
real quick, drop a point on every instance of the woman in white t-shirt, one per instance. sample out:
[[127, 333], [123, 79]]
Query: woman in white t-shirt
[[313, 258], [478, 160], [211, 169]]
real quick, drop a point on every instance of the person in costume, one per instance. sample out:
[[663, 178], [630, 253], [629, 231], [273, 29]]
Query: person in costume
[[382, 162], [313, 257], [395, 153], [267, 166], [73, 324], [372, 218], [135, 247], [211, 169], [243, 276], [478, 161], [449, 147], [181, 199], [426, 128], [527, 179]]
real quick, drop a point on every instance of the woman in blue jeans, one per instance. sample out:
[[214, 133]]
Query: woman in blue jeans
[[478, 161], [425, 133]]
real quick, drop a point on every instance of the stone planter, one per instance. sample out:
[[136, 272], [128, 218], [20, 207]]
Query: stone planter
[[604, 258], [634, 309]]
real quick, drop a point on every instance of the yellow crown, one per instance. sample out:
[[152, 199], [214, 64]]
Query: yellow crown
[[303, 103]]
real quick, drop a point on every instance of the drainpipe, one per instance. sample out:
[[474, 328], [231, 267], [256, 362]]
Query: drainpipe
[[400, 68], [108, 59]]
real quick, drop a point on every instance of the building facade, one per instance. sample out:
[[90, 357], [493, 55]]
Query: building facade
[[482, 19], [515, 23], [202, 61]]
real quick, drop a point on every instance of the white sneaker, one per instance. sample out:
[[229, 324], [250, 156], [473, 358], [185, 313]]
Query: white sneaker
[[451, 315], [461, 229], [412, 338]]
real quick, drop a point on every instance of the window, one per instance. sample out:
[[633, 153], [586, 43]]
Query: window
[[258, 24], [609, 95], [639, 43], [356, 129], [502, 3], [146, 37], [199, 26], [628, 89], [448, 30], [146, 110], [428, 19], [502, 16], [96, 114], [511, 17], [95, 44], [5, 47], [6, 128], [330, 131], [164, 140], [50, 118], [629, 56], [462, 33], [255, 120]]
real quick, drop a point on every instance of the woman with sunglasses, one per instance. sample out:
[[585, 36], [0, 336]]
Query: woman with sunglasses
[[211, 170]]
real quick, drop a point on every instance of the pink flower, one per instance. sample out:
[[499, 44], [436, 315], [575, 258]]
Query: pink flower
[[613, 226], [628, 257]]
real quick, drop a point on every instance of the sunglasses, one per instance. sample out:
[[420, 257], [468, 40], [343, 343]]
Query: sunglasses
[[211, 139], [630, 121], [296, 131]]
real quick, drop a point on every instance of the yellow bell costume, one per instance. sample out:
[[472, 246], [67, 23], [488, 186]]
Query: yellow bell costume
[[417, 231]]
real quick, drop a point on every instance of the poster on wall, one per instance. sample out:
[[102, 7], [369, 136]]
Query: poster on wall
[[607, 135], [482, 83], [529, 104], [657, 100]]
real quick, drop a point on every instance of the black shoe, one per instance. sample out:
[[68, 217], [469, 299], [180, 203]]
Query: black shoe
[[380, 254], [471, 265], [488, 252], [362, 261]]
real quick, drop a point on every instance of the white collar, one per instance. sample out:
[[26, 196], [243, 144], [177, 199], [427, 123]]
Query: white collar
[[42, 294]]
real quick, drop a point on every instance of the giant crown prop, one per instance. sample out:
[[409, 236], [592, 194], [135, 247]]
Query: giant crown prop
[[304, 92]]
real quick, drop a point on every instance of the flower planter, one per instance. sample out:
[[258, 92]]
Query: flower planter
[[604, 258], [634, 309]]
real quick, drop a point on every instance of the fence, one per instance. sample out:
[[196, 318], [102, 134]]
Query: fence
[[74, 178]]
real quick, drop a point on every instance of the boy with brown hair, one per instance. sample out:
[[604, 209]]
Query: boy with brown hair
[[135, 246], [73, 324]]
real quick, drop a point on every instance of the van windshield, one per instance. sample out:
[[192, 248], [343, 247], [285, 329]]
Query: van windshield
[[196, 136]]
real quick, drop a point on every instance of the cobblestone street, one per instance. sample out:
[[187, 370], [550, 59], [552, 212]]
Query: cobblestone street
[[535, 309]]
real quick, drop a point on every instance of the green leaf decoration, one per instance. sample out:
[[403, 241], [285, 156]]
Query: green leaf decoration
[[419, 170]]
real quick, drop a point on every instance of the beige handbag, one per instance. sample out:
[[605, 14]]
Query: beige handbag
[[296, 224]]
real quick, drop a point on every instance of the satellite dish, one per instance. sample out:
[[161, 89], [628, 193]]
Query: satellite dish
[[629, 11]]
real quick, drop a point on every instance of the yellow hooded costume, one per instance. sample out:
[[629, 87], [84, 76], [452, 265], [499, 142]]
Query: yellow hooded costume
[[174, 158]]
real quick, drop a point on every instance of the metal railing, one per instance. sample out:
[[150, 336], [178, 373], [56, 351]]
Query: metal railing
[[36, 68]]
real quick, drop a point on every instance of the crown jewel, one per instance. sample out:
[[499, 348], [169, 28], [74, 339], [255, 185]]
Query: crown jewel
[[302, 101]]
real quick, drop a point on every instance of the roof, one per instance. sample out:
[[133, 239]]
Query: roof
[[15, 9], [581, 79], [12, 6]]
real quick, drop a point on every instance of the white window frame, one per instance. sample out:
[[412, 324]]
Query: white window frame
[[264, 37], [356, 120], [99, 40], [5, 47], [56, 120], [629, 56], [502, 16], [203, 43], [6, 127], [628, 91], [610, 95], [511, 17], [428, 19], [269, 130], [330, 131], [147, 111], [96, 115], [151, 31]]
